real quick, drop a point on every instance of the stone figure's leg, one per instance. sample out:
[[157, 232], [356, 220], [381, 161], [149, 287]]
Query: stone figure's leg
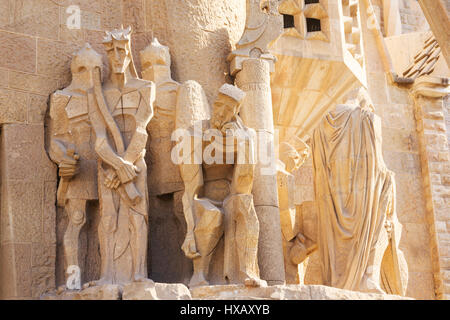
[[138, 241], [139, 225], [106, 230], [371, 279], [208, 231], [76, 211], [247, 234]]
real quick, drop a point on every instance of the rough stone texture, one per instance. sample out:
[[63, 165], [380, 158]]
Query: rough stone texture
[[24, 217], [412, 17], [155, 291], [434, 156], [284, 292], [201, 33], [106, 292], [146, 290]]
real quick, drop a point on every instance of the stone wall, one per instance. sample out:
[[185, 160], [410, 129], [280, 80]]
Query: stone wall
[[412, 17], [435, 162], [401, 152], [36, 45], [35, 49]]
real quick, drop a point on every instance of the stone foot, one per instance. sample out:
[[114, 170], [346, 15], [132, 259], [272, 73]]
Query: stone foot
[[143, 279], [198, 280], [254, 282], [100, 282]]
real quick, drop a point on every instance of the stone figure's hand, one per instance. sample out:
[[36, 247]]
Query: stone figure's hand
[[230, 128], [112, 181], [127, 171], [189, 247], [69, 165]]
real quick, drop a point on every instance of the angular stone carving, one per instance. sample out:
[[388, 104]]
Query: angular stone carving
[[252, 64], [164, 175], [120, 111], [296, 246], [212, 212], [358, 229], [72, 148]]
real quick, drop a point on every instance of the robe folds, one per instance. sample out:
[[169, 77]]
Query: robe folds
[[358, 231]]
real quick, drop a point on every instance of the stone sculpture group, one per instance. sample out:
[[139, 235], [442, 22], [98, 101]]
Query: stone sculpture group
[[98, 137]]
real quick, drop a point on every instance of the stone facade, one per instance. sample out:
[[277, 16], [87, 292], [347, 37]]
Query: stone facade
[[37, 42]]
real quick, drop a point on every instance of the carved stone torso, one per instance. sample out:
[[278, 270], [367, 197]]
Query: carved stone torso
[[81, 135]]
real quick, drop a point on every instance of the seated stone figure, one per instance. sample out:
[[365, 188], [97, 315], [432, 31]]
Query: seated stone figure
[[358, 230], [217, 200]]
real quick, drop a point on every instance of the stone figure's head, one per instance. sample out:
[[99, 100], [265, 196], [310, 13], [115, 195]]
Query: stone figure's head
[[118, 48], [227, 105], [83, 63], [360, 97], [364, 99], [293, 158], [155, 58]]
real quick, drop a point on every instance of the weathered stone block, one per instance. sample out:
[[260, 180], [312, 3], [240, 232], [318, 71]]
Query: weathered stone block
[[378, 88], [410, 198], [43, 280], [24, 203], [4, 77], [112, 14], [27, 158], [18, 52], [54, 57], [400, 140], [133, 12], [71, 35], [89, 5], [37, 108], [398, 95], [15, 264], [149, 290], [49, 213], [420, 285], [36, 18], [416, 246], [32, 83], [13, 106]]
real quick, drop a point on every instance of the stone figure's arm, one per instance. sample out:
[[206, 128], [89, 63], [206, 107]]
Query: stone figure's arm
[[192, 176], [60, 150], [57, 126], [143, 117], [123, 168]]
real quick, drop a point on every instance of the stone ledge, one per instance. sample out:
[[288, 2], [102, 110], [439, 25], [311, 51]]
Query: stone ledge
[[149, 290], [284, 292], [146, 290]]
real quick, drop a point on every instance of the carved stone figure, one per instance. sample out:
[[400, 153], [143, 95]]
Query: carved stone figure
[[217, 198], [164, 174], [120, 112], [252, 64], [296, 246], [355, 193], [71, 147]]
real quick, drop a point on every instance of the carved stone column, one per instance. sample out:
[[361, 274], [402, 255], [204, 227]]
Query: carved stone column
[[251, 63], [256, 112], [428, 93]]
